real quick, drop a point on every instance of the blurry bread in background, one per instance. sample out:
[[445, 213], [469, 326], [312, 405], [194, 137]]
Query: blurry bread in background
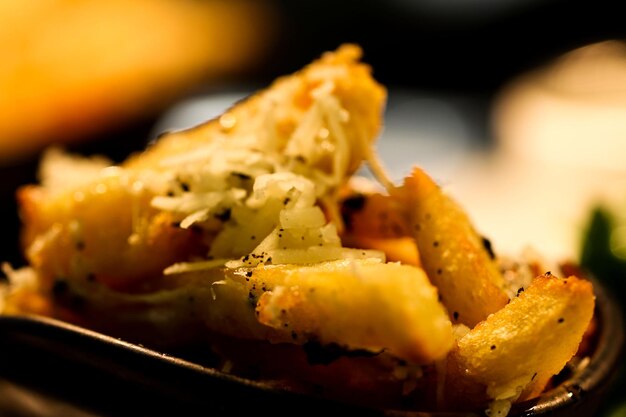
[[560, 132], [73, 68], [571, 112]]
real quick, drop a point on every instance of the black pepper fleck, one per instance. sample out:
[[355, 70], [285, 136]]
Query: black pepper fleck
[[59, 287], [488, 247], [224, 215], [241, 176], [455, 315], [355, 203], [252, 299]]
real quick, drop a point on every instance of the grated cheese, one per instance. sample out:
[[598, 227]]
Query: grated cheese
[[258, 192], [182, 267]]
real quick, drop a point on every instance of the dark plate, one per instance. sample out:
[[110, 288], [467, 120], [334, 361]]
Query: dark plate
[[110, 377]]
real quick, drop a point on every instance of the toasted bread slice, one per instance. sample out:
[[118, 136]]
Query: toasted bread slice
[[452, 252], [513, 354], [122, 225]]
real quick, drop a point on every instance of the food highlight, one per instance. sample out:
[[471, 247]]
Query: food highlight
[[250, 236]]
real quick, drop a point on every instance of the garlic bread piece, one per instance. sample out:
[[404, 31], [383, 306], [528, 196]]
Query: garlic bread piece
[[452, 252], [124, 224], [358, 305], [512, 355]]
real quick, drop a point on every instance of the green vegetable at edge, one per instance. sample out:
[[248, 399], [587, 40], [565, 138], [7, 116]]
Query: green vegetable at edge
[[596, 257]]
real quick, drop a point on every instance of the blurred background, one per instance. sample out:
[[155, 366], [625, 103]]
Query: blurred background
[[518, 107]]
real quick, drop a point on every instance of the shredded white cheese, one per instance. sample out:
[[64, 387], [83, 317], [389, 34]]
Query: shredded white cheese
[[182, 267], [258, 192]]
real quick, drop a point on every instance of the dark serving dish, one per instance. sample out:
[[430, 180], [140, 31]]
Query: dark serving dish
[[110, 377]]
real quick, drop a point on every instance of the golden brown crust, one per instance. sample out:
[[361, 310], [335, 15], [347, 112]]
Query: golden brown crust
[[514, 353], [105, 231], [452, 252]]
